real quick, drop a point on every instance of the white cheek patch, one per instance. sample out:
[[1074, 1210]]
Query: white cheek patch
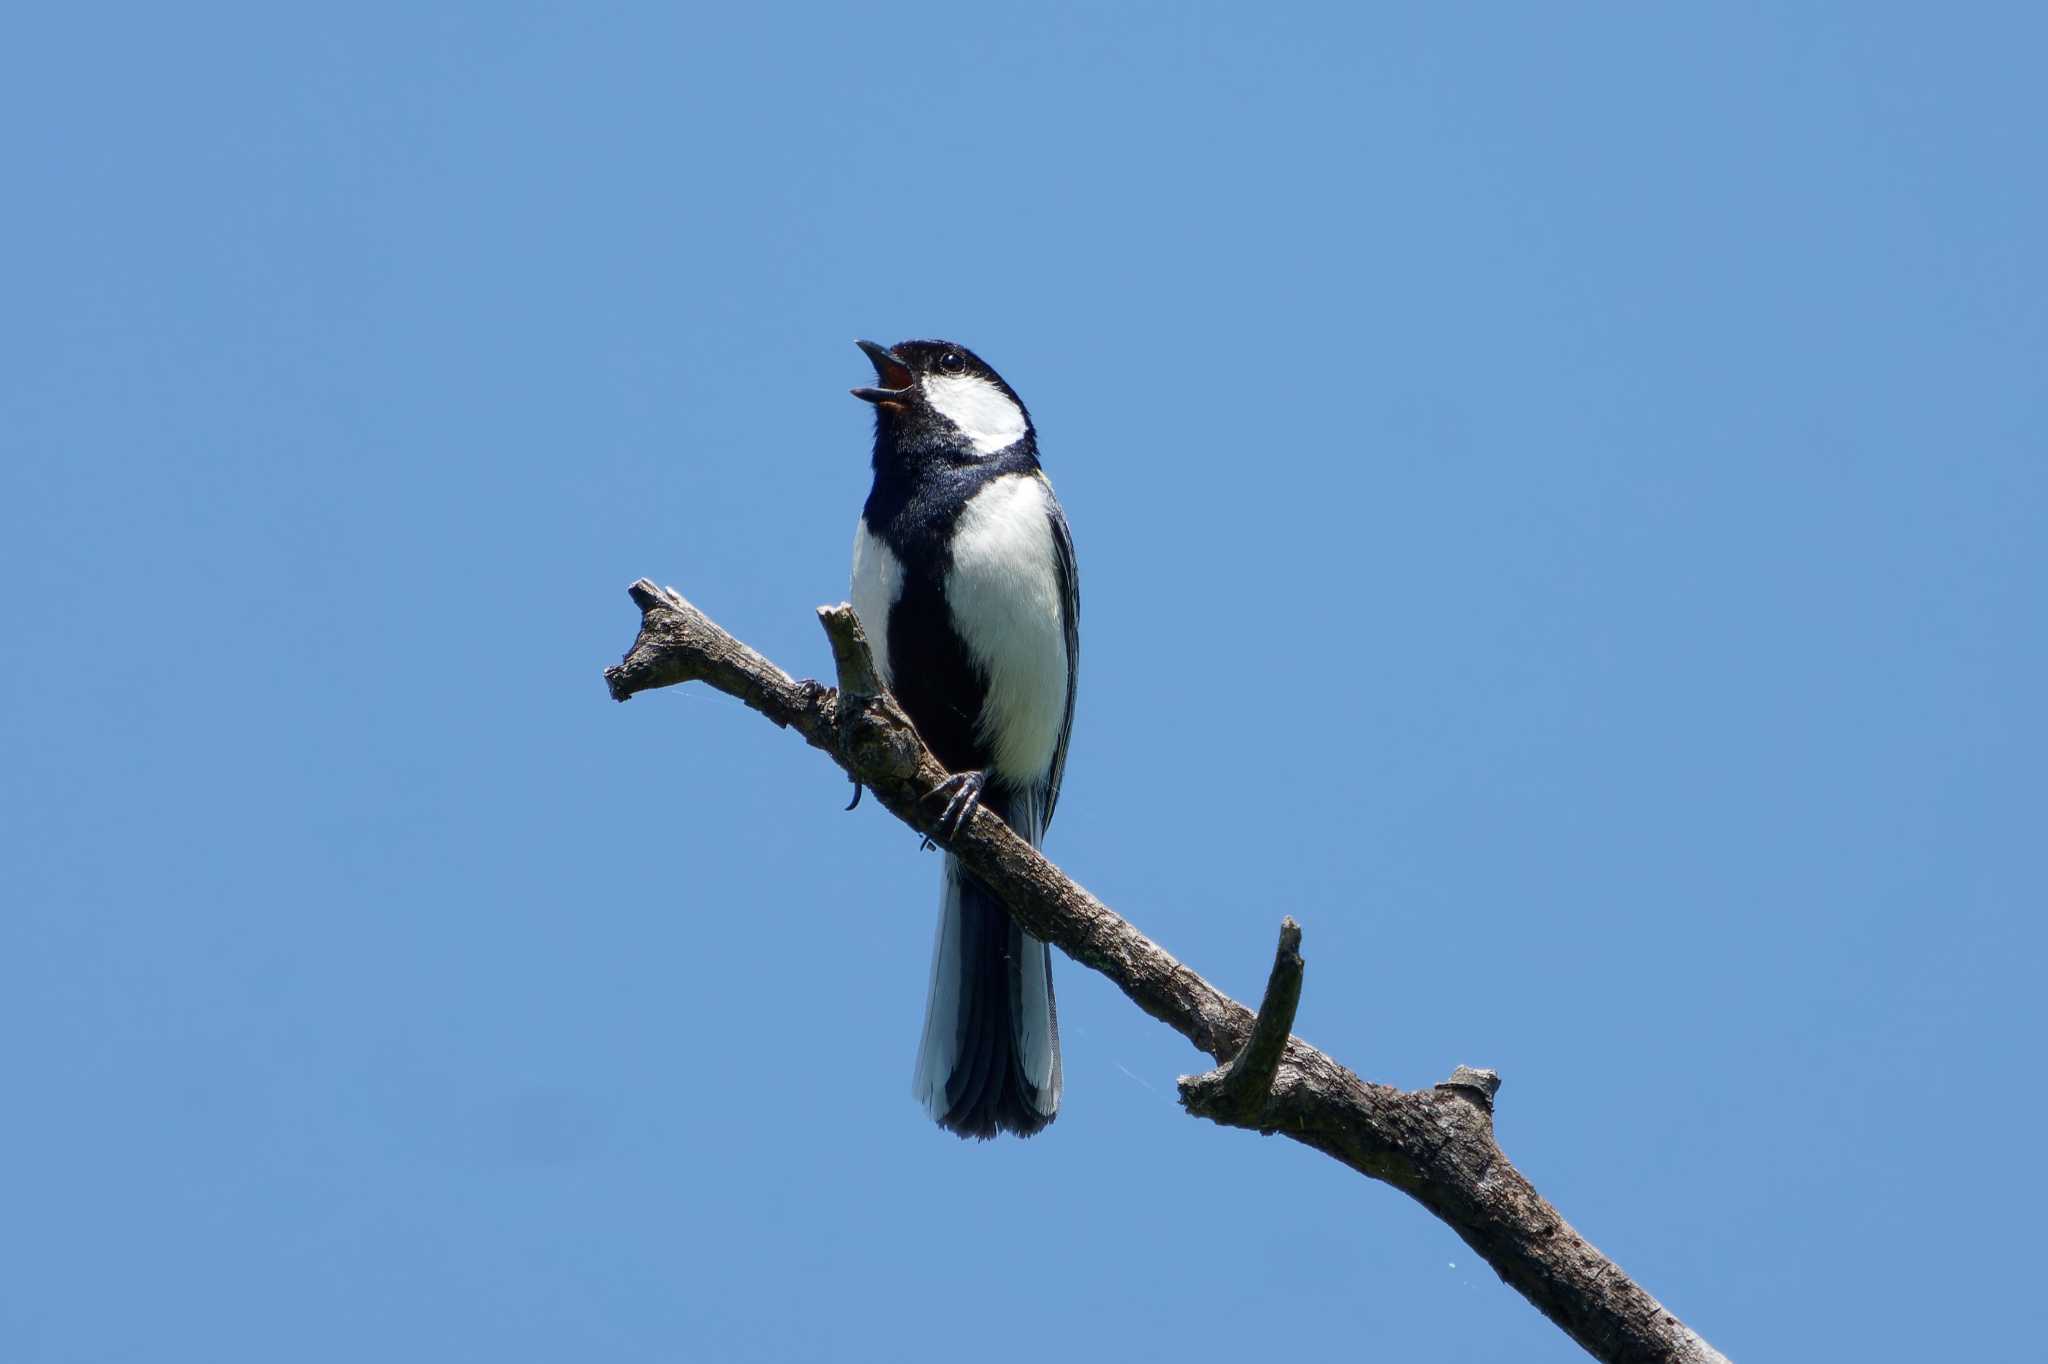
[[984, 413]]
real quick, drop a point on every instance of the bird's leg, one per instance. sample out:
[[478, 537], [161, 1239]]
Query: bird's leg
[[963, 794]]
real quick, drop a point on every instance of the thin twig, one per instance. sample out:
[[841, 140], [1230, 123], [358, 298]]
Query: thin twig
[[1235, 1094]]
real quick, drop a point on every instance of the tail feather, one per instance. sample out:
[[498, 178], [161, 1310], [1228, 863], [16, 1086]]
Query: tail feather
[[974, 1084], [990, 1058]]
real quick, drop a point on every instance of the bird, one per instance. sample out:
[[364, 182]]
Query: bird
[[965, 583]]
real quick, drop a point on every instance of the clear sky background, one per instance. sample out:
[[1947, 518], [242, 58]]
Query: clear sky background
[[1560, 495]]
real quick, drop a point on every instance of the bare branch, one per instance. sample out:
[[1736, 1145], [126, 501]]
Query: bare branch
[[1437, 1145], [851, 656], [679, 643], [1236, 1094]]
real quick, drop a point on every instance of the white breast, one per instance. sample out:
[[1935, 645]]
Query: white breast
[[1004, 591], [877, 583]]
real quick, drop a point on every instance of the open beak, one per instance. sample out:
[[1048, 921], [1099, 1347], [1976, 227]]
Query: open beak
[[893, 374]]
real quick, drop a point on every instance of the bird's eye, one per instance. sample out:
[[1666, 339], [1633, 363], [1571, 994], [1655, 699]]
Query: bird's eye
[[951, 363]]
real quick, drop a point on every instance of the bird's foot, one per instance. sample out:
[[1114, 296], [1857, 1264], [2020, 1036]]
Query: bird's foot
[[962, 791]]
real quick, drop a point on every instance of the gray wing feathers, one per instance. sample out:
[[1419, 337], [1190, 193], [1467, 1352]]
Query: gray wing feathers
[[1070, 611]]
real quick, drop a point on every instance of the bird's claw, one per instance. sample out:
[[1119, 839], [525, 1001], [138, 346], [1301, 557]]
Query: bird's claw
[[962, 791]]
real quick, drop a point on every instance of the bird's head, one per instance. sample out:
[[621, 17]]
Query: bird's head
[[933, 397]]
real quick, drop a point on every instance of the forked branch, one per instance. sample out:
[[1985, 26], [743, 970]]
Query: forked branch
[[1437, 1145]]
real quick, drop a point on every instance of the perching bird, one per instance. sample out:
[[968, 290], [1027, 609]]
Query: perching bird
[[964, 580]]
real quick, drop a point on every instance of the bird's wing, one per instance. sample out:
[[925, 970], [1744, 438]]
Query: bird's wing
[[1070, 617]]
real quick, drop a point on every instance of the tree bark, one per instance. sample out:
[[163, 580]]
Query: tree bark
[[1436, 1145]]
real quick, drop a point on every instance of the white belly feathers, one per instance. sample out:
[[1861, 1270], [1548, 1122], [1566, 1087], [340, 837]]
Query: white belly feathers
[[1007, 607], [1004, 590], [877, 583]]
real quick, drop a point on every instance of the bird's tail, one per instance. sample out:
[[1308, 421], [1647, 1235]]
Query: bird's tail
[[990, 1059]]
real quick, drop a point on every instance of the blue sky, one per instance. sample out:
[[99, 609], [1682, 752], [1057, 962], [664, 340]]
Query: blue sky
[[1617, 434]]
